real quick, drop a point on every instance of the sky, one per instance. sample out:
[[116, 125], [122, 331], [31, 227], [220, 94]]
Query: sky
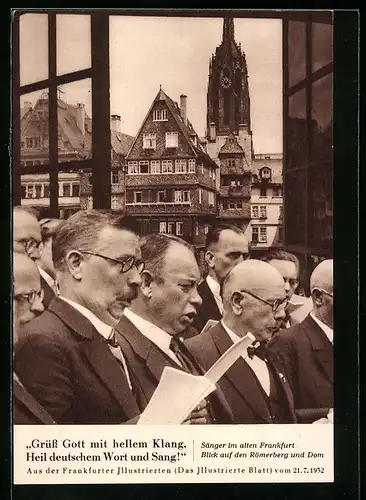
[[146, 52]]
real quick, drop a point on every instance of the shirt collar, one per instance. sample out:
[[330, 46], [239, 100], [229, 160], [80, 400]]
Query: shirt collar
[[155, 334], [102, 328], [46, 277], [234, 337], [214, 286], [328, 331]]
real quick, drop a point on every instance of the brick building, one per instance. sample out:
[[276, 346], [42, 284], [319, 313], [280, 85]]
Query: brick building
[[171, 180]]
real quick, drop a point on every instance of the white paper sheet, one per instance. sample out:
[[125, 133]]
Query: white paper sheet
[[178, 392]]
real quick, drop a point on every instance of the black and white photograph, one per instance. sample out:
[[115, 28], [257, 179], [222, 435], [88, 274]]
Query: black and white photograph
[[172, 197]]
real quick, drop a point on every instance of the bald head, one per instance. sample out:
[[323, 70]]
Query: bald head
[[255, 276], [25, 228], [322, 276]]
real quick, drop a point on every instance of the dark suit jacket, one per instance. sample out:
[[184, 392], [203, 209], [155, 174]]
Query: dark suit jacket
[[68, 367], [49, 294], [26, 410], [208, 309], [147, 363], [245, 398], [307, 356]]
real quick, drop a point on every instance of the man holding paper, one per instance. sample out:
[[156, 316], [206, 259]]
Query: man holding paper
[[166, 306], [254, 301]]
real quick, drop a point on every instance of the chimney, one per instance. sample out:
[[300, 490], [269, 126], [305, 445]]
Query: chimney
[[115, 123], [212, 131], [80, 117], [183, 108]]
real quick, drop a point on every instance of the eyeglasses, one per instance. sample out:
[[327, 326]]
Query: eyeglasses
[[30, 296], [323, 291], [30, 245], [126, 265], [275, 305]]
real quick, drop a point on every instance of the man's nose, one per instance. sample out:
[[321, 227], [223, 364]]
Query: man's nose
[[37, 307], [280, 313], [34, 254], [135, 277], [287, 286], [196, 299]]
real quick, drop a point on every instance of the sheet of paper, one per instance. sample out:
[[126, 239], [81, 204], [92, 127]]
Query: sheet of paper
[[210, 323], [176, 395], [222, 365], [301, 313]]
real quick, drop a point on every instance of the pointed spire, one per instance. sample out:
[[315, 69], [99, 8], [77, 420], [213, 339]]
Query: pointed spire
[[228, 30]]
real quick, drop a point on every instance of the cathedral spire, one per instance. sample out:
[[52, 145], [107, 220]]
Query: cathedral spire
[[228, 30]]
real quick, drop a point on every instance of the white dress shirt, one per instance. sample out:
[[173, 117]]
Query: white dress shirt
[[152, 332], [104, 330], [215, 289], [328, 331], [48, 279], [258, 366]]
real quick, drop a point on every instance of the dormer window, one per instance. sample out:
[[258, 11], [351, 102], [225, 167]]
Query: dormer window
[[266, 173], [160, 115]]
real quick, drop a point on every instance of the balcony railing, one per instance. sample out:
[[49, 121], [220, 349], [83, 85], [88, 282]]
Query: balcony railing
[[158, 203]]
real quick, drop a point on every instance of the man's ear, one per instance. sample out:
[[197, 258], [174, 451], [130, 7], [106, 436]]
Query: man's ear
[[147, 279], [210, 258], [74, 262], [237, 300], [317, 297]]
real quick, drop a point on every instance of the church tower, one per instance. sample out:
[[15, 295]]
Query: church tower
[[228, 132]]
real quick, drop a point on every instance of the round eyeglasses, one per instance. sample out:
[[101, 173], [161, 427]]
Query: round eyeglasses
[[275, 304], [126, 264], [31, 245], [31, 296]]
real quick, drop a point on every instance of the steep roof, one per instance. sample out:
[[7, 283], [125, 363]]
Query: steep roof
[[186, 128], [231, 146], [121, 143]]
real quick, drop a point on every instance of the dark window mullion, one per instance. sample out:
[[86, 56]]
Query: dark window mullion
[[61, 80], [53, 122], [16, 170]]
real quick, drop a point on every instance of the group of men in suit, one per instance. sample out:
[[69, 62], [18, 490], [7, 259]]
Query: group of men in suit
[[124, 308]]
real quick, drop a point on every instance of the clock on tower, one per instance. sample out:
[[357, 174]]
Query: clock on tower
[[225, 78]]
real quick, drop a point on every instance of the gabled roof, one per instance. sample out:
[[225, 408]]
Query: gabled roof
[[121, 143], [186, 128], [66, 118], [231, 146]]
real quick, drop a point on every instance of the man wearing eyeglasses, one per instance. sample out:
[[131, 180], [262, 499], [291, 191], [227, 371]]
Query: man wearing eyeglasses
[[254, 301], [45, 262], [65, 357], [27, 304], [26, 233], [306, 350]]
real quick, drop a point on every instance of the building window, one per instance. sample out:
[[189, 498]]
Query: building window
[[149, 141], [137, 195], [281, 212], [114, 202], [239, 204], [211, 198], [263, 235], [231, 163], [29, 142], [266, 173], [46, 191], [66, 189], [180, 166], [196, 230], [277, 191], [161, 196], [280, 234], [182, 196], [206, 229], [114, 177], [263, 192], [255, 234], [170, 227], [179, 229], [75, 190], [162, 227], [155, 167], [263, 212], [171, 139], [38, 190], [144, 167], [192, 166], [24, 191], [199, 196], [166, 167], [255, 212], [133, 167], [160, 115]]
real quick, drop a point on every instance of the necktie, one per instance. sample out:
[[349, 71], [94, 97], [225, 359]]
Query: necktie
[[258, 349], [175, 347], [117, 353]]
